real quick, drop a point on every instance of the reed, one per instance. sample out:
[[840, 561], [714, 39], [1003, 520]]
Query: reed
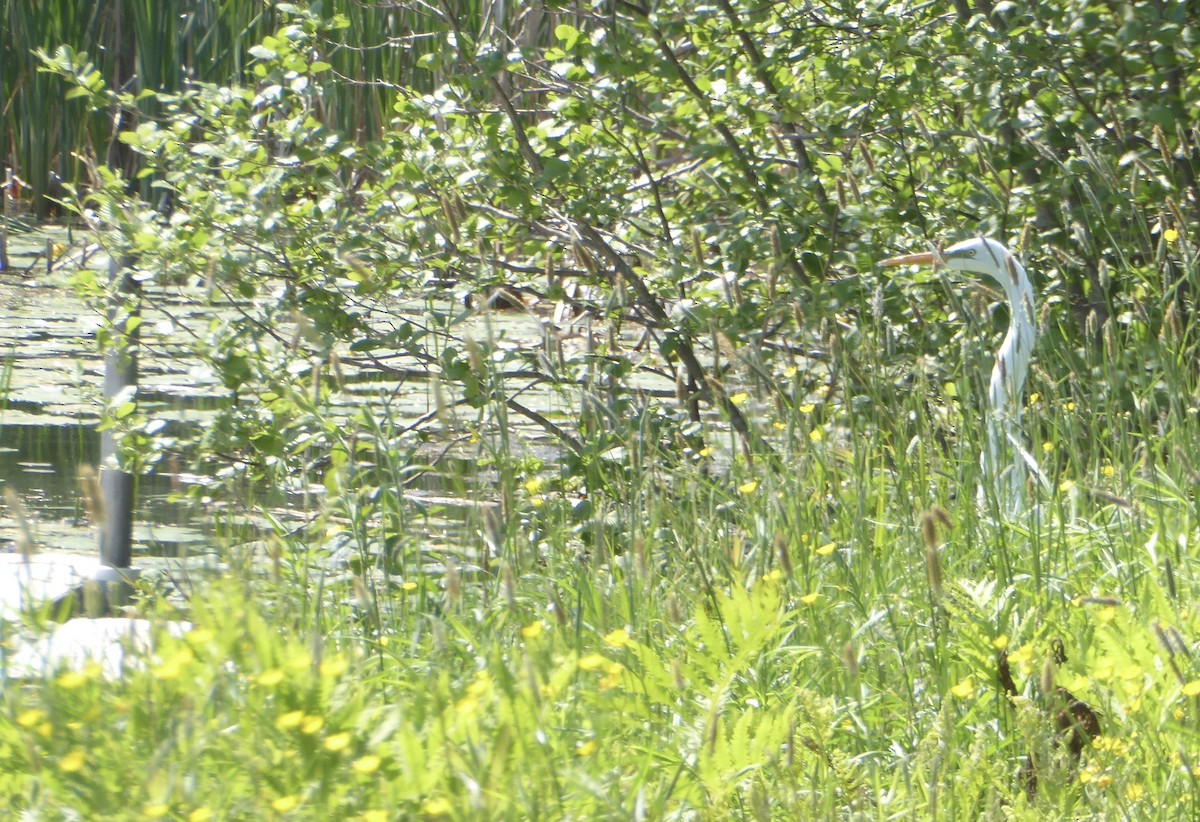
[[382, 52]]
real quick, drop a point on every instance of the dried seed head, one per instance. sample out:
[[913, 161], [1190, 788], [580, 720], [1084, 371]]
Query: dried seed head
[[866, 155], [698, 249], [453, 584], [508, 585], [933, 565], [1171, 330], [781, 551], [929, 530], [1047, 680], [24, 536], [1160, 140]]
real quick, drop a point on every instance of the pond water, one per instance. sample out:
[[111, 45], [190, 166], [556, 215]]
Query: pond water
[[50, 381], [50, 377]]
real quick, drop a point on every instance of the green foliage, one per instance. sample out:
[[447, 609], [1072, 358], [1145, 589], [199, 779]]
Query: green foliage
[[716, 604]]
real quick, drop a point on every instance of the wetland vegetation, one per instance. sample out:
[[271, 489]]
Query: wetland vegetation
[[558, 445]]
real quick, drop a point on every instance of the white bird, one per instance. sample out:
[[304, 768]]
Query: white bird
[[990, 258]]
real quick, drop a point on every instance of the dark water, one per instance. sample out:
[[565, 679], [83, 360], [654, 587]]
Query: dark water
[[41, 463]]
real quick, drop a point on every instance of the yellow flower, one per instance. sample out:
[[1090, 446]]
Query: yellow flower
[[436, 807], [592, 662], [285, 803], [174, 665], [827, 549], [816, 435], [70, 680], [290, 720], [1034, 397], [706, 452], [964, 689], [1108, 471], [1047, 447], [790, 371], [1022, 654], [809, 599], [366, 764], [618, 638], [1000, 642], [481, 685], [587, 748], [300, 660], [312, 724], [408, 585], [534, 485], [270, 678], [201, 814], [612, 676], [1170, 235], [156, 811], [1069, 406], [29, 718], [807, 408], [747, 488], [334, 666], [1192, 688], [199, 636], [375, 816], [534, 629], [337, 742], [1107, 614], [1104, 781], [739, 398], [72, 762]]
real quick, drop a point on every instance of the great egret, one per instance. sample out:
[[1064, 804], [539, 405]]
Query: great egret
[[990, 258]]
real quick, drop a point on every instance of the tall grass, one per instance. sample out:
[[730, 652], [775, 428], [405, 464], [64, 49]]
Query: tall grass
[[754, 644], [139, 45]]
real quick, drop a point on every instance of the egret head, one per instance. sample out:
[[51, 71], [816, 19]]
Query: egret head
[[978, 255]]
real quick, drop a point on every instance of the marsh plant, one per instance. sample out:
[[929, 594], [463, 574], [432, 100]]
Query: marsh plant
[[717, 551]]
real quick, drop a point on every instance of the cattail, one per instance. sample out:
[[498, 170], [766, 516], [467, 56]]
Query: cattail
[[674, 615], [584, 258], [785, 556], [451, 217], [24, 537], [508, 585], [933, 560], [335, 365], [697, 249], [453, 584], [850, 657], [89, 489]]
